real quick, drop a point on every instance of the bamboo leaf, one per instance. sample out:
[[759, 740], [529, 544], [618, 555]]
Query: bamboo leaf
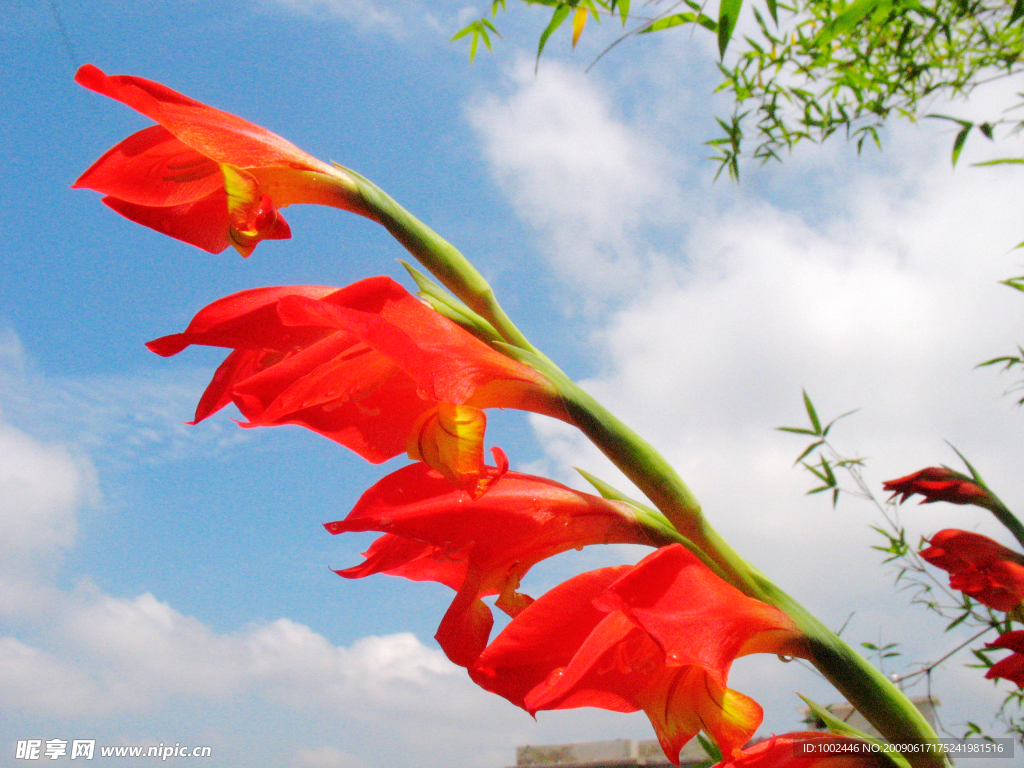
[[669, 21], [560, 14], [828, 426], [579, 21], [812, 414], [1017, 12], [728, 13], [846, 20], [959, 141], [807, 450]]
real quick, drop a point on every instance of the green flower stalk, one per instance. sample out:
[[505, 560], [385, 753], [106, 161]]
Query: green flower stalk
[[867, 689]]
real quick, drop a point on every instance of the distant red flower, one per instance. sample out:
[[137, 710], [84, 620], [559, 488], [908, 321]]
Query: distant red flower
[[939, 484], [806, 749], [368, 366], [1012, 667], [202, 175], [478, 548], [658, 636], [979, 567]]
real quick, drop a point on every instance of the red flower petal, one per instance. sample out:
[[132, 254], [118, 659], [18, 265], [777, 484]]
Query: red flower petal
[[526, 652], [246, 320], [938, 484], [202, 223], [210, 178], [979, 567], [521, 520], [153, 168], [823, 750], [353, 364], [661, 637], [1012, 667], [219, 135]]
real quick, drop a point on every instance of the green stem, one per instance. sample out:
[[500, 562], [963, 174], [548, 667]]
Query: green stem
[[1005, 516], [440, 257], [867, 689]]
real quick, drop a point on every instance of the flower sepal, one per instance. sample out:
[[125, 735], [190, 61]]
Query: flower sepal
[[451, 307], [940, 484], [842, 728]]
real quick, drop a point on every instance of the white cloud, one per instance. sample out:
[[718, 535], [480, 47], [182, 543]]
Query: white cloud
[[80, 654], [395, 18], [120, 420], [598, 189], [885, 302], [40, 489]]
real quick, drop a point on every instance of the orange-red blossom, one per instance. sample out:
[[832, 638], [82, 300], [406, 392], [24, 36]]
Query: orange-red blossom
[[939, 484], [478, 547], [808, 749], [206, 176], [1012, 667], [984, 569], [658, 636], [368, 366]]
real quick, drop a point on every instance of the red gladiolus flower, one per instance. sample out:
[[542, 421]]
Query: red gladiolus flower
[[979, 567], [1012, 667], [478, 548], [658, 636], [939, 484], [205, 176], [806, 749], [368, 366]]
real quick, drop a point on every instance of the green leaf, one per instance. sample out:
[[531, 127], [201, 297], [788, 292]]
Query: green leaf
[[811, 413], [958, 620], [846, 20], [710, 747], [824, 432], [728, 14], [1017, 12], [798, 431], [479, 30], [624, 10], [560, 15], [1018, 283], [707, 22], [959, 141], [1003, 161], [807, 450], [773, 9], [668, 22]]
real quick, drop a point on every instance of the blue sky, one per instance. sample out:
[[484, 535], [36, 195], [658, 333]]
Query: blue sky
[[165, 583]]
